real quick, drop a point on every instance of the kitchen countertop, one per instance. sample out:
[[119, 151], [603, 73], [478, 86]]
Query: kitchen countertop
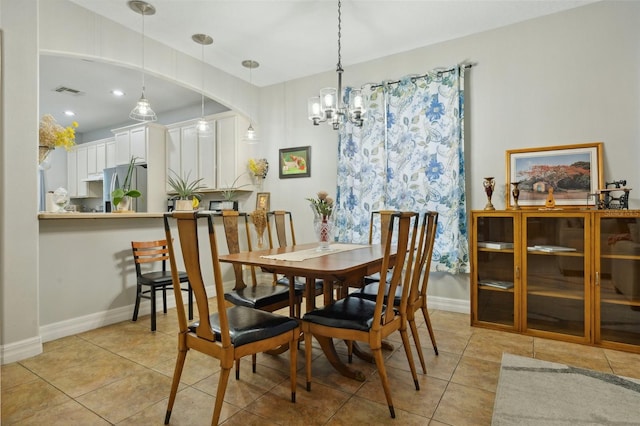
[[79, 215]]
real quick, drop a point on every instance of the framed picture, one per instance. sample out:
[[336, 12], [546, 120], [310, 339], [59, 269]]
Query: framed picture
[[572, 173], [295, 162], [262, 201]]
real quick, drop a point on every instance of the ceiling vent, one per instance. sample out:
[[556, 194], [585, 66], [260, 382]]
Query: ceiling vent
[[70, 91]]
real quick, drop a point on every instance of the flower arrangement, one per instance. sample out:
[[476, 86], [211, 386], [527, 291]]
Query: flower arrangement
[[259, 167], [53, 135], [323, 205]]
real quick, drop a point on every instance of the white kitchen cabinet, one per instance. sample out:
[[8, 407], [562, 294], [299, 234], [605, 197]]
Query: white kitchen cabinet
[[72, 173], [92, 160], [231, 160], [82, 170], [110, 154], [101, 157], [137, 141], [190, 154]]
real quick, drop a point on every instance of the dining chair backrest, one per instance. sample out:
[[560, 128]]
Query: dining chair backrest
[[403, 262], [146, 252], [424, 251], [233, 223], [281, 219], [187, 224], [383, 225]]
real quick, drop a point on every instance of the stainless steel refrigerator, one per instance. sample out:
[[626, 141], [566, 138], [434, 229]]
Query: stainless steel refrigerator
[[115, 176]]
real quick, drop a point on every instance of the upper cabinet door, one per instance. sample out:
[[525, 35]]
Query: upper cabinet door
[[138, 141], [122, 147]]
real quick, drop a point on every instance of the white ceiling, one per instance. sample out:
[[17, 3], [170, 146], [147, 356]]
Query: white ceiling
[[289, 38]]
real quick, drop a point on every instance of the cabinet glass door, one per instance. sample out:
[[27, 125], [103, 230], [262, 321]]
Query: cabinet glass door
[[618, 277], [556, 273], [494, 259]]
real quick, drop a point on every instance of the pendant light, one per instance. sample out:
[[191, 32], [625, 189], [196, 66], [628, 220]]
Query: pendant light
[[328, 107], [250, 136], [203, 126], [142, 110]]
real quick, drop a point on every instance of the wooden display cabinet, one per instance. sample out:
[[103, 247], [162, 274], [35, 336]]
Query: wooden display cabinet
[[572, 275]]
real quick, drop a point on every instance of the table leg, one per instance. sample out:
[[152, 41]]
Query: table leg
[[326, 343], [327, 291], [310, 289]]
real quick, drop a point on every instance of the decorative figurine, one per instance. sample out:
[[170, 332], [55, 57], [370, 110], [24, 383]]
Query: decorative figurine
[[516, 194], [489, 184], [551, 202]]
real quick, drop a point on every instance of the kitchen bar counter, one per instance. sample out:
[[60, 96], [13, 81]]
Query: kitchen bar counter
[[79, 215]]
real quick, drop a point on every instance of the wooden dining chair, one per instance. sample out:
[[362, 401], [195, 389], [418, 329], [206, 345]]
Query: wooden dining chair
[[146, 254], [283, 224], [362, 320], [231, 332], [417, 300], [264, 296]]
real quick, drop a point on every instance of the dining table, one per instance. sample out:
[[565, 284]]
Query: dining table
[[345, 264]]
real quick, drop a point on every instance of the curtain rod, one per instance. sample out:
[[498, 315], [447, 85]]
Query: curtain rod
[[439, 74]]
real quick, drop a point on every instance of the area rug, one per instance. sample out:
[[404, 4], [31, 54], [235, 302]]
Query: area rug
[[535, 392]]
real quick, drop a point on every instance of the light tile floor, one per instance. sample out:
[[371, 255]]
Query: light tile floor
[[121, 374]]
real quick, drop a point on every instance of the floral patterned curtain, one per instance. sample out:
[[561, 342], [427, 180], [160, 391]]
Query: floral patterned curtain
[[408, 155]]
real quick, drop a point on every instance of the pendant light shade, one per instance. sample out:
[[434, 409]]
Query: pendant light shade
[[203, 127], [250, 136], [142, 111]]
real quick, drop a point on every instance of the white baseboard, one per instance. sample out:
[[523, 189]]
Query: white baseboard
[[23, 349], [448, 304]]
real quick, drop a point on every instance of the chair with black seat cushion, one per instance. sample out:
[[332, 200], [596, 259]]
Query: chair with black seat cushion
[[231, 332], [263, 296], [144, 254], [361, 320], [419, 279], [283, 222], [259, 296]]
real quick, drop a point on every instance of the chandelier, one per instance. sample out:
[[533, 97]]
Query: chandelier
[[142, 111], [328, 106]]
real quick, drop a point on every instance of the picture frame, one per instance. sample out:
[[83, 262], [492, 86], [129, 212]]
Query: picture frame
[[574, 172], [263, 201], [295, 162]]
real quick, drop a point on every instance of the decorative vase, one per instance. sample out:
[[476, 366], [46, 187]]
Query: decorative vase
[[184, 205], [489, 184], [324, 225], [43, 153], [124, 205], [516, 194]]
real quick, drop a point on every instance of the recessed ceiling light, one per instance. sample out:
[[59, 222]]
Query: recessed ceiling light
[[69, 113], [117, 92]]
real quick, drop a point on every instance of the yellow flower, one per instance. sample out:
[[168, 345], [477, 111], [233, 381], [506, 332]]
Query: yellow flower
[[53, 135], [259, 167]]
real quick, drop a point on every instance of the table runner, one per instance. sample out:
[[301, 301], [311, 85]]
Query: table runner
[[299, 256]]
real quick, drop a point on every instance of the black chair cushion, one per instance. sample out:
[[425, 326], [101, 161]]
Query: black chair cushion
[[373, 278], [355, 313], [259, 296], [247, 325], [300, 285], [370, 292], [161, 278]]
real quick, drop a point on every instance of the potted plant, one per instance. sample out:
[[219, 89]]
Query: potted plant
[[121, 196], [187, 197], [229, 193]]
